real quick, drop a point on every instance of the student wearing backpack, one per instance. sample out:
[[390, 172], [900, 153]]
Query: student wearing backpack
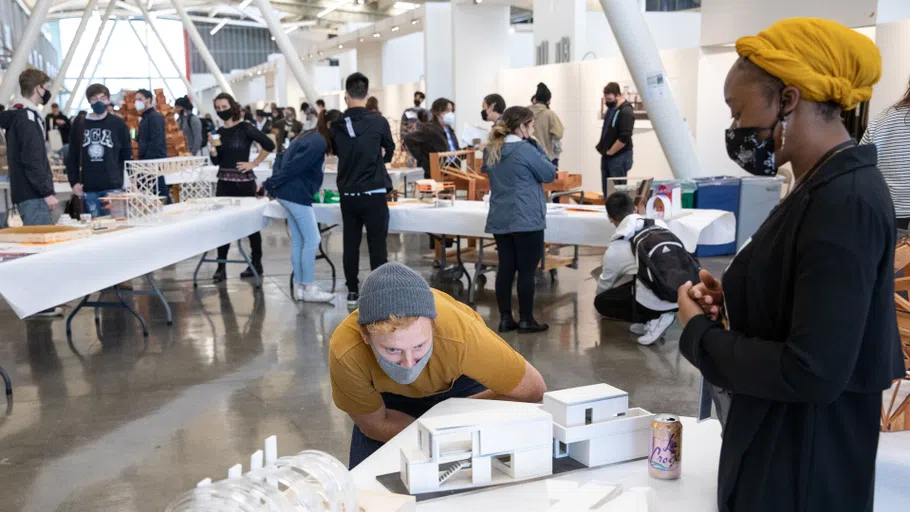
[[634, 287]]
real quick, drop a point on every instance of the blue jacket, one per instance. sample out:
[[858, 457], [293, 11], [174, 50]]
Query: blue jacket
[[152, 137], [301, 172], [517, 200]]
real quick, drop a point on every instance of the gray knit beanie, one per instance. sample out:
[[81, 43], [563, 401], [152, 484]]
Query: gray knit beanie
[[394, 289]]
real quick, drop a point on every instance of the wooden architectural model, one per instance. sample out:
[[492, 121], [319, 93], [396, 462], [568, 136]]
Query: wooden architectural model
[[478, 449], [595, 426]]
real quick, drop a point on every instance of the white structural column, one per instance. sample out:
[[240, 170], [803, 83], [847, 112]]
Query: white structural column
[[438, 51], [202, 48], [287, 48], [147, 52], [91, 51], [10, 84], [641, 56], [151, 23], [480, 47], [58, 80]]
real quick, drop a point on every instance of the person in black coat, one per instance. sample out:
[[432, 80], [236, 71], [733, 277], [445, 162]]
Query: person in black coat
[[152, 138], [811, 338], [434, 136]]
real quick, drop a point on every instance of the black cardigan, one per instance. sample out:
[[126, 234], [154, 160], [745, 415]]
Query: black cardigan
[[428, 138], [813, 341]]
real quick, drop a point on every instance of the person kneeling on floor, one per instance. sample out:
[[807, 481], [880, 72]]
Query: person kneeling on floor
[[643, 267], [410, 347]]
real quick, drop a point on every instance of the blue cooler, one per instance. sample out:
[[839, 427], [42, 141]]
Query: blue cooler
[[758, 196], [721, 193]]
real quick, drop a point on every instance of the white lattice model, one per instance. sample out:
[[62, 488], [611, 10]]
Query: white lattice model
[[134, 207], [595, 426], [144, 175]]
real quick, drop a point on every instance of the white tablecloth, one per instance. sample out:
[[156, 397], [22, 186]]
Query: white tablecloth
[[264, 172], [62, 272], [695, 490], [399, 177], [468, 218]]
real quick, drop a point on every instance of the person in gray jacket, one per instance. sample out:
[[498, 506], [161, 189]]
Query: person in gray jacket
[[517, 167], [190, 125]]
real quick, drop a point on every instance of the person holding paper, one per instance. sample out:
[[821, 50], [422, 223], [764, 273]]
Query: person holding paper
[[801, 330]]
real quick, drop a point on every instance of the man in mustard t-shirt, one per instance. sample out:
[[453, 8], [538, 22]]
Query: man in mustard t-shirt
[[408, 348]]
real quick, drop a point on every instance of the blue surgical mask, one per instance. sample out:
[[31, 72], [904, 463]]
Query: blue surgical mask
[[399, 373], [99, 107]]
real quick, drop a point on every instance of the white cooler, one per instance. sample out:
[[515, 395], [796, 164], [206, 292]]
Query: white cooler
[[757, 197]]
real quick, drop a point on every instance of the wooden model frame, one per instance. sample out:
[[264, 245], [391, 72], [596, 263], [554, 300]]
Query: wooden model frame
[[896, 416]]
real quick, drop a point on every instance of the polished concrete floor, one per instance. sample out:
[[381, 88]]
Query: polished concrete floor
[[114, 422]]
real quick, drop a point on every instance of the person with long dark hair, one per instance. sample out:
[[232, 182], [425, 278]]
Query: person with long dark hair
[[517, 167], [294, 185], [890, 132], [235, 171], [434, 136]]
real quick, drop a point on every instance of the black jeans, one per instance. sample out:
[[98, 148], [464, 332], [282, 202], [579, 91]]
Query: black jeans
[[362, 446], [372, 211], [616, 166], [519, 252], [240, 189], [619, 304]]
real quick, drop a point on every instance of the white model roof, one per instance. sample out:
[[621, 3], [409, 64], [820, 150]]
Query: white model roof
[[473, 420], [584, 394]]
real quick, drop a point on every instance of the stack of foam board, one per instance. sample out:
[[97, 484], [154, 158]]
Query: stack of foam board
[[466, 450], [595, 426]]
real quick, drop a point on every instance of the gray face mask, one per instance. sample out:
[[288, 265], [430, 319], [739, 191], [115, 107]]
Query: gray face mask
[[400, 374]]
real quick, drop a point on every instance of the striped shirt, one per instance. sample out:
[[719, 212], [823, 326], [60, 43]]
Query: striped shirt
[[890, 132]]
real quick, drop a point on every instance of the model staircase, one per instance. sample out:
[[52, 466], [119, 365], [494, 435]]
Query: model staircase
[[454, 468]]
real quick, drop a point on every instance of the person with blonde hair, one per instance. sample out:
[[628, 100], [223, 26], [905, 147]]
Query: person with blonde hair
[[410, 347], [517, 166], [801, 335]]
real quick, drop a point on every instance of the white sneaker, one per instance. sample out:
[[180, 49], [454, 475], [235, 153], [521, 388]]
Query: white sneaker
[[638, 329], [657, 328], [313, 294], [298, 292]]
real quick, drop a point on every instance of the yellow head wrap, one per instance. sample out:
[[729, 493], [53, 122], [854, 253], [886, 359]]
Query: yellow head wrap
[[825, 60]]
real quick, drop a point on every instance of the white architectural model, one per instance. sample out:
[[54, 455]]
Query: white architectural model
[[194, 184], [594, 425], [477, 449]]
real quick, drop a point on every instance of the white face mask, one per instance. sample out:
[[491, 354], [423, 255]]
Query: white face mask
[[140, 106], [449, 118]]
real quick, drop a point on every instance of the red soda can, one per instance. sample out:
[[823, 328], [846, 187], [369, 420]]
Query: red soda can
[[665, 461]]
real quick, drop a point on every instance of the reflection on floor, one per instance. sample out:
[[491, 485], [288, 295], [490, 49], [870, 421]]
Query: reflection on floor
[[117, 422]]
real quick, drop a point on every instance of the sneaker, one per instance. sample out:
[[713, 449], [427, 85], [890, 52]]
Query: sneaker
[[298, 292], [48, 313], [353, 299], [313, 294], [220, 275], [657, 328], [638, 329]]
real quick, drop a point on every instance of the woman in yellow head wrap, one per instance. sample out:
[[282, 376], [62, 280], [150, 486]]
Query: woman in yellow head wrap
[[810, 338]]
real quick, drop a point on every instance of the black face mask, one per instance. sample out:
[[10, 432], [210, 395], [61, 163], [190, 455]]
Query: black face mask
[[754, 155], [417, 103], [45, 97], [224, 114], [483, 115], [611, 104]]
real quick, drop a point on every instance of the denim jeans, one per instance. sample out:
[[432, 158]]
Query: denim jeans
[[93, 203], [34, 212], [304, 240], [615, 167], [363, 446]]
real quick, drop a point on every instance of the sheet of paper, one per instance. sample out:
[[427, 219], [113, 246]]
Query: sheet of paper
[[473, 131]]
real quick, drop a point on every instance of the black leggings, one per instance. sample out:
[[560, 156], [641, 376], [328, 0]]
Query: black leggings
[[372, 212], [240, 189], [519, 252], [619, 304]]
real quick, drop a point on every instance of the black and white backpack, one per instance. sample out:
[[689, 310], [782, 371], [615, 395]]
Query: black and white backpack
[[664, 264]]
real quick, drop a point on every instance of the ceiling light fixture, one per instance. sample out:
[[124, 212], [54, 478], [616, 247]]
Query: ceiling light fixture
[[396, 28], [361, 39], [291, 29], [340, 46], [218, 27], [376, 34], [478, 2], [310, 55], [415, 21], [511, 30], [338, 4]]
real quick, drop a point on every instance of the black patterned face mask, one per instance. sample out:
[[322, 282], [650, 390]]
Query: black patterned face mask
[[754, 155]]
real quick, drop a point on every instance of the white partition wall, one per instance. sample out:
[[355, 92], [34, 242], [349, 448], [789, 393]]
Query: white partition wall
[[402, 60], [481, 50], [437, 33], [558, 19], [713, 114], [893, 40]]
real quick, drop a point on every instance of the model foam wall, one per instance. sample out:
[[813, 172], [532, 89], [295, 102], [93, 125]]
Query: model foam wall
[[595, 426]]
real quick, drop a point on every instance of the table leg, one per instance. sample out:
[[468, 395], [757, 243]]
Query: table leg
[[145, 329], [323, 255], [250, 264], [7, 382], [460, 261], [157, 291], [69, 319], [198, 266], [478, 269]]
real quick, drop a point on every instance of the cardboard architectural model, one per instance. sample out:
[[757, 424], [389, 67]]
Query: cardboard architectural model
[[478, 449], [595, 426]]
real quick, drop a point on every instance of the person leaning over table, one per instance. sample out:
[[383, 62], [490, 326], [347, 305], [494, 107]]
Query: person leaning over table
[[294, 185], [517, 167], [410, 347], [812, 338], [235, 173]]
